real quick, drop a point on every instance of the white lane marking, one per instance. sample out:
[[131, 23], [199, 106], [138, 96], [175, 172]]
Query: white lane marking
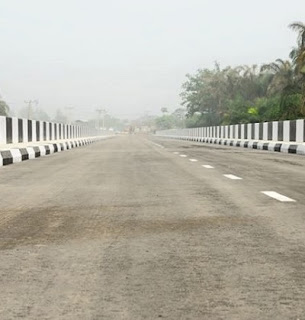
[[277, 196], [193, 160], [183, 155], [176, 152], [231, 176], [156, 144], [207, 166]]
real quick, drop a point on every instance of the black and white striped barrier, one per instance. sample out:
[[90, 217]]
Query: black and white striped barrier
[[15, 130], [23, 139], [282, 136], [15, 155]]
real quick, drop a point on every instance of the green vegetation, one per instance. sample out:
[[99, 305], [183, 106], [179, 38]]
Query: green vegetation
[[4, 108], [275, 91]]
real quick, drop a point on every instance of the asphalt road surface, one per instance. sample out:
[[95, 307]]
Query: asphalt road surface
[[141, 227]]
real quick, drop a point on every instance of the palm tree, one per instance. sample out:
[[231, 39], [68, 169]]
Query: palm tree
[[282, 77], [298, 56]]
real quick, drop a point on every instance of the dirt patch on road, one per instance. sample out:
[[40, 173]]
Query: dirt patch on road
[[58, 225]]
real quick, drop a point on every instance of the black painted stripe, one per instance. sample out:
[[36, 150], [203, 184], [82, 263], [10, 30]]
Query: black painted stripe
[[252, 131], [278, 147], [280, 131], [50, 131], [20, 130], [55, 131], [270, 134], [24, 154], [47, 149], [9, 130], [44, 131], [292, 148], [7, 157], [260, 131], [37, 131], [37, 152], [30, 131], [292, 131]]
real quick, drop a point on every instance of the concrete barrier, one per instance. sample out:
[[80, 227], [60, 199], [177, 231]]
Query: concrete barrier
[[281, 136], [23, 139]]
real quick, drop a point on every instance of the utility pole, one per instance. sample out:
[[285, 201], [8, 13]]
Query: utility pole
[[101, 112], [30, 108]]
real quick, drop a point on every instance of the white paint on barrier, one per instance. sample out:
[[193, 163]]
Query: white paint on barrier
[[193, 160], [16, 154], [42, 150], [183, 155], [30, 152], [232, 177], [277, 196], [207, 166]]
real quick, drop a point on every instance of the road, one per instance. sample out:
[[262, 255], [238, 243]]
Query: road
[[128, 228]]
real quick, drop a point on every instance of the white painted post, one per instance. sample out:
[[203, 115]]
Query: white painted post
[[236, 132], [34, 131], [25, 130], [242, 136], [300, 131], [15, 129], [250, 131], [2, 130], [275, 125]]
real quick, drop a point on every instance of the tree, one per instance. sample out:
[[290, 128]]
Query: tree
[[164, 110], [282, 77], [298, 57], [4, 108]]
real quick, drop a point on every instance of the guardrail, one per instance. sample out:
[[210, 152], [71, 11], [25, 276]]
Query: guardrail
[[286, 131], [15, 130], [286, 136]]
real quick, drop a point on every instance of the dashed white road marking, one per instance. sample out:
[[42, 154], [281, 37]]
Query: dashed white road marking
[[277, 196], [193, 160], [158, 145], [183, 155], [231, 176], [207, 166], [176, 152]]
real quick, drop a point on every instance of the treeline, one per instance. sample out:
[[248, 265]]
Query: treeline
[[243, 94]]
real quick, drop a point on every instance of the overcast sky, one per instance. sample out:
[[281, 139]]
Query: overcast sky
[[131, 56]]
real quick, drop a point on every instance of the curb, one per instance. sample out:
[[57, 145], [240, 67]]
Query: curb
[[15, 155], [275, 146]]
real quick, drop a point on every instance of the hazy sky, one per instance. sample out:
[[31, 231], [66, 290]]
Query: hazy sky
[[131, 56]]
